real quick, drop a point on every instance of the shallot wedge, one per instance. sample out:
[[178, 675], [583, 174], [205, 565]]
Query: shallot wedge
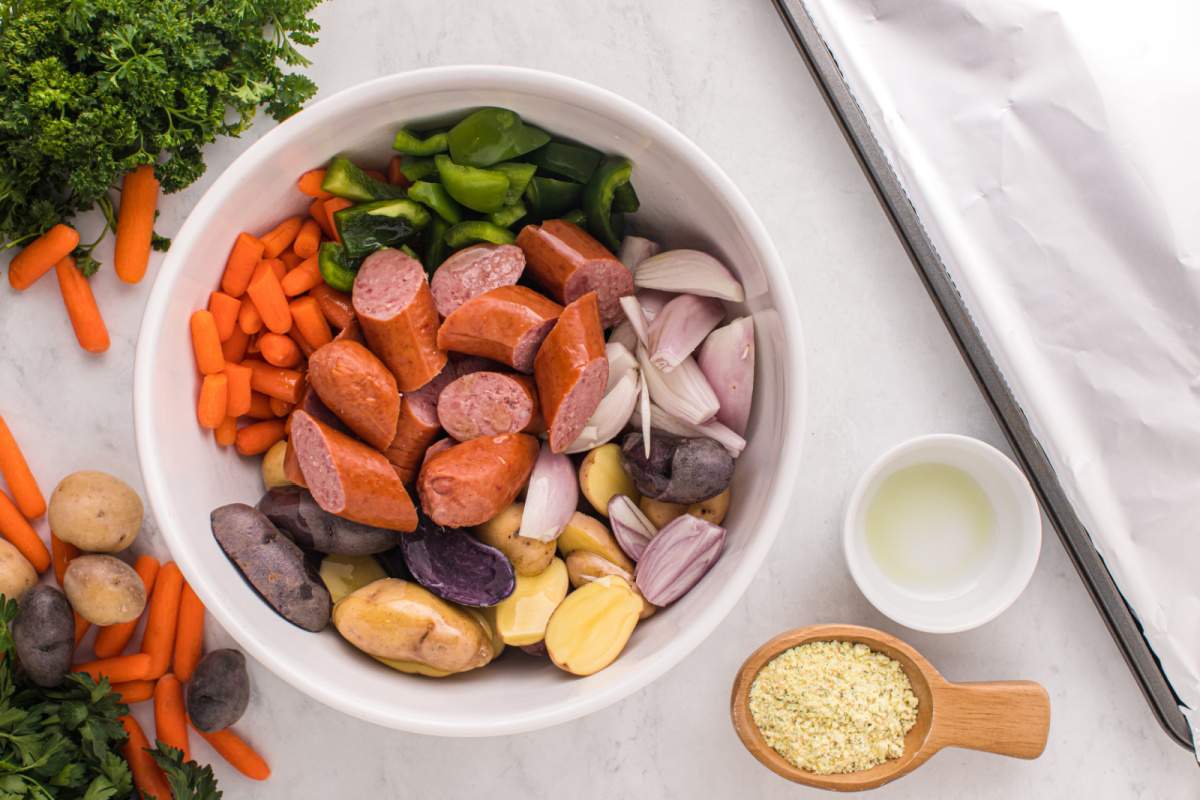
[[680, 327], [610, 417], [636, 317], [712, 429], [727, 360], [677, 558], [620, 360], [690, 272], [635, 250], [632, 529], [551, 497], [683, 392]]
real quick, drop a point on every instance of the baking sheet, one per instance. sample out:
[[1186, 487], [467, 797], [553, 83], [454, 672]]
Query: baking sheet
[[1046, 154]]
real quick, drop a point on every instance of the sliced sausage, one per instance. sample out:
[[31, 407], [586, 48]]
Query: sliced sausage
[[506, 324], [487, 404], [291, 466], [348, 478], [437, 447], [395, 309], [356, 386], [571, 371], [471, 482], [352, 331], [472, 271], [336, 307], [568, 262], [416, 428], [311, 404]]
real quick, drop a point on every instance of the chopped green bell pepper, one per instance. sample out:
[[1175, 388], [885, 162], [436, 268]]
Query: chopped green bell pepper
[[419, 169], [549, 197], [575, 216], [508, 215], [625, 199], [335, 267], [410, 144], [477, 230], [575, 162], [345, 179], [491, 135], [369, 227], [482, 190], [438, 199], [435, 244], [598, 197], [518, 175]]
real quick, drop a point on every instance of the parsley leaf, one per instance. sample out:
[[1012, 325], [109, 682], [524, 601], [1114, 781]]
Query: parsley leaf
[[187, 779]]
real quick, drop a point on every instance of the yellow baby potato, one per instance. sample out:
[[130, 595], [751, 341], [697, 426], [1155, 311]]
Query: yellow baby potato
[[17, 575], [590, 534], [584, 567], [345, 574], [272, 466], [104, 590], [95, 512], [601, 476], [660, 513], [591, 627], [528, 556], [713, 509], [521, 618]]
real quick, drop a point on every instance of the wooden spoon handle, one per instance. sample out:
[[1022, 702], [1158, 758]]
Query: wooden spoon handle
[[1011, 718]]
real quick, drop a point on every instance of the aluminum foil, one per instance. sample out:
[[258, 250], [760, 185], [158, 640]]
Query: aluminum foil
[[1049, 147]]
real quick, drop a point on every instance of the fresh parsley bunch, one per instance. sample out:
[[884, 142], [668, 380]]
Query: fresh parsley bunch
[[90, 89]]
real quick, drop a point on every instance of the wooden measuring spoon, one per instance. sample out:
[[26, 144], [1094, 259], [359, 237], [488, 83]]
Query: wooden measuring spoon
[[1011, 718]]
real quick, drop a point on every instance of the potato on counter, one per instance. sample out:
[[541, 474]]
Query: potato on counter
[[17, 575], [95, 512], [104, 590]]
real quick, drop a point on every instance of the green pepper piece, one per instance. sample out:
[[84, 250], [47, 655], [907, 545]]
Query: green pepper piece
[[549, 197], [575, 216], [419, 169], [335, 267], [369, 227], [519, 176], [477, 230], [409, 144], [598, 199], [625, 199], [435, 246], [575, 162], [438, 199], [481, 190], [345, 179], [508, 215], [408, 251], [491, 135]]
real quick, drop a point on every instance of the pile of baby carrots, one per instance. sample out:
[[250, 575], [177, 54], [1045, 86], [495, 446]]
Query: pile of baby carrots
[[54, 248]]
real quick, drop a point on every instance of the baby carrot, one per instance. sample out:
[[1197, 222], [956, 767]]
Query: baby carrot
[[189, 634], [61, 554], [234, 750], [135, 223], [308, 239], [170, 718], [305, 276], [161, 618], [394, 171], [279, 350], [256, 439], [249, 319], [226, 432], [243, 258], [310, 184], [284, 384], [290, 259], [214, 399], [118, 669], [234, 348], [280, 237], [332, 206], [206, 343], [81, 628], [147, 776], [306, 314], [268, 297], [15, 528], [111, 639], [281, 408], [41, 255], [225, 311], [260, 407], [301, 342], [134, 691], [239, 389], [276, 265], [82, 310], [336, 306], [18, 476], [316, 210]]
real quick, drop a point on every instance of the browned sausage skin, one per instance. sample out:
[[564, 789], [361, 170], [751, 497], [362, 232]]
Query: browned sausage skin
[[348, 478], [471, 482], [487, 404], [416, 428], [568, 262], [571, 371], [356, 386], [472, 271], [506, 324], [395, 309]]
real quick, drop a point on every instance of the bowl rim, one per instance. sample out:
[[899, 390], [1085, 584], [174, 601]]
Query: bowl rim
[[553, 86]]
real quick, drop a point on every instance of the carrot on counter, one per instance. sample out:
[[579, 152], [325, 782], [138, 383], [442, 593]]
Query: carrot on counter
[[268, 297], [170, 718], [249, 320], [243, 258], [214, 399], [395, 173], [118, 669], [15, 528], [226, 432], [336, 306], [61, 554], [305, 276], [135, 223], [40, 256], [280, 237], [234, 348], [257, 438], [239, 389], [310, 184], [282, 384], [111, 639], [147, 776], [307, 316], [134, 691], [329, 208], [279, 350], [158, 640], [189, 634], [86, 321], [81, 628], [18, 476], [206, 343], [237, 753], [308, 240], [225, 310]]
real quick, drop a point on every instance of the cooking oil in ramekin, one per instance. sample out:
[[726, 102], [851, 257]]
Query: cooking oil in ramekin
[[931, 529]]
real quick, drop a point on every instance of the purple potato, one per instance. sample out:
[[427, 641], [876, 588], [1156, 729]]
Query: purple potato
[[219, 691], [44, 635], [294, 511], [456, 566], [679, 470]]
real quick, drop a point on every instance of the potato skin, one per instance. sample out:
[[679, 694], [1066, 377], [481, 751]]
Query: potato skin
[[401, 621], [528, 556], [17, 575], [104, 590], [95, 512], [272, 466], [44, 634], [219, 691]]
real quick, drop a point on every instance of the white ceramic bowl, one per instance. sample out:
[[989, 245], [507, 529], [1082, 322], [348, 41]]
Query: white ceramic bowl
[[1002, 576], [687, 201]]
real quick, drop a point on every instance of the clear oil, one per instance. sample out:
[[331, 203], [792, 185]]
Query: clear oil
[[931, 529]]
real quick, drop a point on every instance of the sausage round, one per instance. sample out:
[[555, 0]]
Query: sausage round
[[471, 482], [356, 386], [487, 404], [472, 271], [348, 478], [568, 262], [396, 312], [335, 306], [416, 428], [506, 324], [571, 371]]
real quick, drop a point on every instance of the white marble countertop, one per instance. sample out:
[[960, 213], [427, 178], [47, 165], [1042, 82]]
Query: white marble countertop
[[882, 369]]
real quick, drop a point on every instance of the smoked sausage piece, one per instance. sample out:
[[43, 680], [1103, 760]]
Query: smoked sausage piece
[[336, 307], [506, 324], [471, 482], [568, 262], [572, 371], [472, 271], [395, 309], [416, 428], [487, 404], [356, 386], [348, 478]]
